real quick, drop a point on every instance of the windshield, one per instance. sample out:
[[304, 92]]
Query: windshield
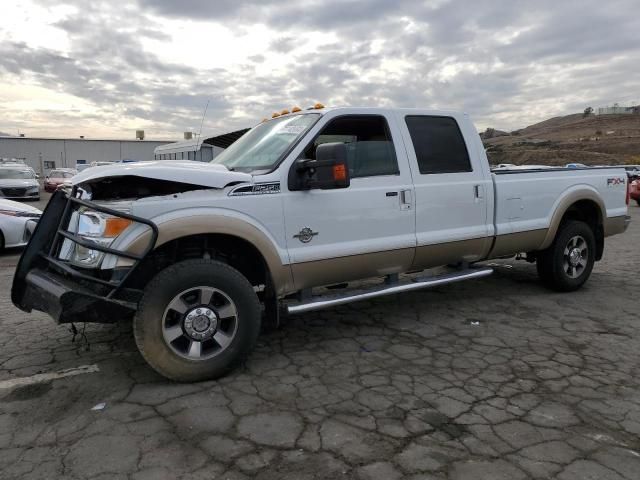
[[16, 174], [262, 147]]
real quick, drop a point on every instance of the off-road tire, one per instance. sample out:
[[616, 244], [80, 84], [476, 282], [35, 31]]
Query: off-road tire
[[148, 329], [551, 262]]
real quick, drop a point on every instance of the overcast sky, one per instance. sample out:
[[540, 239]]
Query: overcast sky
[[105, 69]]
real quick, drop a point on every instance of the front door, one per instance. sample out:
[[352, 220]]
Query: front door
[[367, 229]]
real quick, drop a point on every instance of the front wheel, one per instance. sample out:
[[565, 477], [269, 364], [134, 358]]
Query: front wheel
[[567, 264], [197, 320]]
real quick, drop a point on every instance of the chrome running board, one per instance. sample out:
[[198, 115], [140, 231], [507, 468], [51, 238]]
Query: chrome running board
[[332, 300]]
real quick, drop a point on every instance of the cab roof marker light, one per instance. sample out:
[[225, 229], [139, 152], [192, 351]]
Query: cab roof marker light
[[275, 114], [284, 112], [318, 106], [296, 109]]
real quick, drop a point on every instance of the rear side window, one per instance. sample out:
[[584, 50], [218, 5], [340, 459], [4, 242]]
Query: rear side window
[[438, 144], [369, 144]]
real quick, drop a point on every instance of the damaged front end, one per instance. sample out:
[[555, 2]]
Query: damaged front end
[[57, 271], [72, 268]]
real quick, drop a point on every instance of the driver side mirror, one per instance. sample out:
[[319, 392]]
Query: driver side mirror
[[328, 171]]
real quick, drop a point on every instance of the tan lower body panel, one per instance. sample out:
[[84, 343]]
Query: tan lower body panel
[[513, 243], [353, 267], [615, 225], [356, 267], [428, 256]]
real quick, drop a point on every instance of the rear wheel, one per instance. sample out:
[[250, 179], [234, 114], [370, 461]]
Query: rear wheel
[[638, 201], [1, 241], [197, 320], [567, 264]]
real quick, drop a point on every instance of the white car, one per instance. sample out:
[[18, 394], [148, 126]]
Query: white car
[[17, 222], [18, 181]]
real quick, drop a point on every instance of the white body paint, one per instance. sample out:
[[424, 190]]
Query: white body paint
[[15, 230]]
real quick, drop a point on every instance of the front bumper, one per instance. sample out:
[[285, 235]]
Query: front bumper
[[19, 193], [33, 196], [44, 282], [67, 301], [17, 230]]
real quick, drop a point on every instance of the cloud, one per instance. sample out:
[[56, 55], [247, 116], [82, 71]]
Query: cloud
[[155, 63]]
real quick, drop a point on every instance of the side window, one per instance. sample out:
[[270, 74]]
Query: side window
[[370, 149], [438, 144]]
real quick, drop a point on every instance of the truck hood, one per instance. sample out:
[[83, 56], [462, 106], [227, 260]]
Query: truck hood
[[183, 171]]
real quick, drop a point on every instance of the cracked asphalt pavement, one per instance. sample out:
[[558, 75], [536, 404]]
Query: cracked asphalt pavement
[[490, 379]]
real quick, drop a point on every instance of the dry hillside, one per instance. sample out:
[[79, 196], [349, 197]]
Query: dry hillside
[[592, 140]]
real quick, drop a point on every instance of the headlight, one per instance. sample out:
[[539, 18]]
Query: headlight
[[33, 189], [98, 227]]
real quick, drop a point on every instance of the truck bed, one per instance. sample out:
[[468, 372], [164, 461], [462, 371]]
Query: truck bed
[[526, 200]]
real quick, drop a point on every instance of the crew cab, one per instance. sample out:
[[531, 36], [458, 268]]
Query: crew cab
[[200, 254]]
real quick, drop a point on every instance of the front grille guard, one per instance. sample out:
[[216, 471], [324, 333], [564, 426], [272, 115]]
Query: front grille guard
[[61, 234]]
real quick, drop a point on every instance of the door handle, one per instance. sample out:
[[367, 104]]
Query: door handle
[[478, 191], [405, 200], [391, 194]]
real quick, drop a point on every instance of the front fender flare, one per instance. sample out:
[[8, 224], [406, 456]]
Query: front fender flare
[[188, 222]]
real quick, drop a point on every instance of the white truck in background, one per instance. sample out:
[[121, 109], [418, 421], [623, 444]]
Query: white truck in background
[[199, 254]]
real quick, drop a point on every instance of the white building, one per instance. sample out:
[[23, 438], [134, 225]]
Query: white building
[[618, 110], [203, 150], [187, 150], [45, 154]]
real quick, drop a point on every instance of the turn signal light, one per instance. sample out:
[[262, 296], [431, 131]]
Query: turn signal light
[[340, 172], [115, 226]]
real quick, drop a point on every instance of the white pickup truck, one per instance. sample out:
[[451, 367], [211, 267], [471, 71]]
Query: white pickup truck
[[201, 254]]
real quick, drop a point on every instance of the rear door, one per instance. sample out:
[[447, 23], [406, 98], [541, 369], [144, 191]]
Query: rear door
[[364, 230], [452, 189]]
